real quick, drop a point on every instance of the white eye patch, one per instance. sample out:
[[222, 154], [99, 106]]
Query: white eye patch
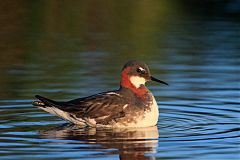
[[141, 69]]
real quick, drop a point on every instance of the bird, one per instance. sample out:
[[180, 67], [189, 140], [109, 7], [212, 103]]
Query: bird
[[132, 105]]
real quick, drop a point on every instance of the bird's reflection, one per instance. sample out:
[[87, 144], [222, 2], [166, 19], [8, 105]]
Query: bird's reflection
[[129, 143]]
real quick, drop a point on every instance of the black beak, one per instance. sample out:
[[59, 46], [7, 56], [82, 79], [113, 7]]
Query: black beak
[[157, 80]]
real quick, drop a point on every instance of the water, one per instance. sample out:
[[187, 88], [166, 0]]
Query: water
[[197, 55]]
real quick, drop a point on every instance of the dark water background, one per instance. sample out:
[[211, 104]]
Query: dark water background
[[69, 49]]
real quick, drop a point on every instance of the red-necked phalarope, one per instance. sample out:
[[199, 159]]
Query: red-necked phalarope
[[132, 105]]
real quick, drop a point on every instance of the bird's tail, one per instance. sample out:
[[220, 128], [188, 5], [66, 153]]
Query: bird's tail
[[38, 103], [55, 108], [44, 102]]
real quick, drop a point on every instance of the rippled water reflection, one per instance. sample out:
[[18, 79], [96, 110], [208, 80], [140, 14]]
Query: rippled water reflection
[[132, 143], [197, 56]]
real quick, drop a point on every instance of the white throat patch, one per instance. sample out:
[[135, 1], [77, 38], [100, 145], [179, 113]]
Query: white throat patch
[[137, 81]]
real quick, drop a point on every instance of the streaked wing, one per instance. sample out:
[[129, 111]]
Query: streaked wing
[[96, 106], [102, 107]]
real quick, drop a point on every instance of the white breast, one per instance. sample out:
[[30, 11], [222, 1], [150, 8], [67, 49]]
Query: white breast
[[150, 117], [147, 119]]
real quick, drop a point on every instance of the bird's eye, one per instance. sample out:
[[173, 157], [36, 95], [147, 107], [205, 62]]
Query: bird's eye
[[141, 70]]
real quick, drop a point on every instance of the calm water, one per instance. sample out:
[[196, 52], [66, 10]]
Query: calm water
[[63, 58]]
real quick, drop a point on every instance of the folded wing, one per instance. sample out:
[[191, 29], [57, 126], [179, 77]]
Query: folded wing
[[101, 108]]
